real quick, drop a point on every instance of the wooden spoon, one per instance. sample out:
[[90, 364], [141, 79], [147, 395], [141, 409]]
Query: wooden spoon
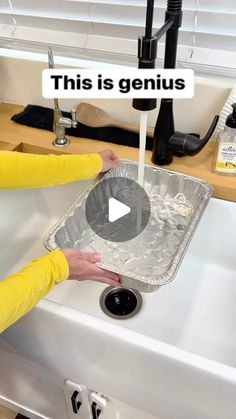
[[97, 118]]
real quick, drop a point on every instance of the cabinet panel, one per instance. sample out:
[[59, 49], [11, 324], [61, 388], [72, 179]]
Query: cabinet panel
[[28, 388], [108, 407], [119, 410]]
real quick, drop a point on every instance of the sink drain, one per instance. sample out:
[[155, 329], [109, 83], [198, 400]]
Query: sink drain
[[120, 303]]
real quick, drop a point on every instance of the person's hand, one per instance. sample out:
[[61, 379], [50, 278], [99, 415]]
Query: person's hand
[[110, 160], [82, 266]]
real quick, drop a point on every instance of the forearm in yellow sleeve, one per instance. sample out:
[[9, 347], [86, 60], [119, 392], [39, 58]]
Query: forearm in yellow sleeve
[[22, 170], [20, 292]]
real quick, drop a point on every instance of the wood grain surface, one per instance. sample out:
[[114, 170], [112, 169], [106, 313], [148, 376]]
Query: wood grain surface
[[6, 413], [18, 137]]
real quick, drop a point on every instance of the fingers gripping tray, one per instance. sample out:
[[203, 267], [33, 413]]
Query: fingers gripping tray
[[152, 258]]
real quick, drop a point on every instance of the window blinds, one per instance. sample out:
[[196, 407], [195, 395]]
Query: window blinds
[[107, 30]]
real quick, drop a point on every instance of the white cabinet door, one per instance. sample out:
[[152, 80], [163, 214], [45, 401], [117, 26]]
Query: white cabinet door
[[30, 389], [119, 410], [109, 408], [37, 393]]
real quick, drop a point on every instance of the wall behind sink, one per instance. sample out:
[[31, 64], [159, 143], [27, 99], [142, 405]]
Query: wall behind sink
[[20, 82]]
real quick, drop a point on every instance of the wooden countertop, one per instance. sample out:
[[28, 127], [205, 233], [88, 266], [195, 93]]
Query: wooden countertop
[[21, 138]]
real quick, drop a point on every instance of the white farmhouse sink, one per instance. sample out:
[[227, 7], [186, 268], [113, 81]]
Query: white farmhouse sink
[[175, 359]]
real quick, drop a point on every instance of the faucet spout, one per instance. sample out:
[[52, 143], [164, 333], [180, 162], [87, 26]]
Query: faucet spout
[[60, 123], [166, 141]]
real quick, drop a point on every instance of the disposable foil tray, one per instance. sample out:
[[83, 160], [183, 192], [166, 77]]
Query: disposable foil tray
[[153, 257]]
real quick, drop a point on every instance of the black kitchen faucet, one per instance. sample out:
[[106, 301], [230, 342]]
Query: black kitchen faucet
[[166, 141]]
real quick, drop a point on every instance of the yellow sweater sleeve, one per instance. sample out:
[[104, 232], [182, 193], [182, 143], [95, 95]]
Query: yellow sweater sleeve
[[20, 292], [22, 170]]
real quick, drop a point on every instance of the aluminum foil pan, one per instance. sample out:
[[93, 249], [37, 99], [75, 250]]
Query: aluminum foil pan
[[153, 257]]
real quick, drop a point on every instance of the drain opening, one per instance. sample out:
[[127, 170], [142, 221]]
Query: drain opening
[[120, 303]]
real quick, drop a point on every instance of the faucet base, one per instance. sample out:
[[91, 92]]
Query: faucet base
[[62, 142]]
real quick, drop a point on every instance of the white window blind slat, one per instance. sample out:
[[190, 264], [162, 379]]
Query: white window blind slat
[[108, 29], [207, 22]]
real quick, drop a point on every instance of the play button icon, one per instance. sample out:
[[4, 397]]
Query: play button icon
[[117, 209]]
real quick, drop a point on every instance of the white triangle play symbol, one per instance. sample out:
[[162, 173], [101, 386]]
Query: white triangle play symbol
[[116, 210]]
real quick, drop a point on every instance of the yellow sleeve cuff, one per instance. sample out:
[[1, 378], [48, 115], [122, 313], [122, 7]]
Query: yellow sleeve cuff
[[21, 291], [60, 260]]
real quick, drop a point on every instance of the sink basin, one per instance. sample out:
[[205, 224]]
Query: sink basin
[[25, 217], [176, 358]]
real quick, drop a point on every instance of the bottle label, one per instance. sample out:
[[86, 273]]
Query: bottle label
[[226, 158]]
